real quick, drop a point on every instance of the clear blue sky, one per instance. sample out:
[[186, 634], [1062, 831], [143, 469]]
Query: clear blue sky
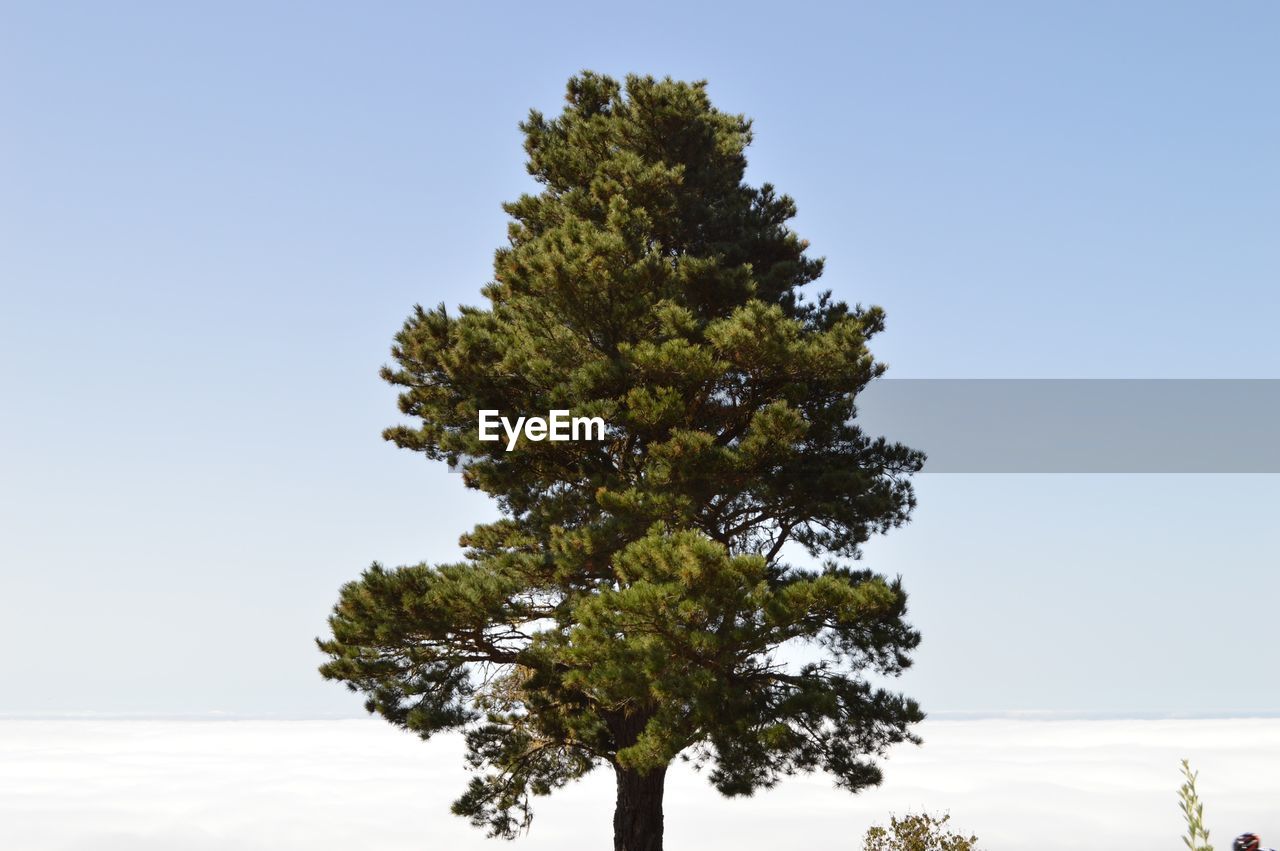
[[213, 218]]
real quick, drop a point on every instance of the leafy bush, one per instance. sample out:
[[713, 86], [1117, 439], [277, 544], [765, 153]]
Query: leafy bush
[[922, 832]]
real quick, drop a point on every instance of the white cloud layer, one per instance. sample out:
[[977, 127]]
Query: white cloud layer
[[90, 785]]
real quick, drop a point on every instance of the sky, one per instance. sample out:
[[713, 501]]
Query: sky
[[213, 218], [334, 785]]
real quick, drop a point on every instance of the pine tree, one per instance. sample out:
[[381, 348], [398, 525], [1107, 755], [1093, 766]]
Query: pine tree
[[635, 604]]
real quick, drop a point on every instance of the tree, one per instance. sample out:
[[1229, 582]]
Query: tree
[[634, 604], [922, 832]]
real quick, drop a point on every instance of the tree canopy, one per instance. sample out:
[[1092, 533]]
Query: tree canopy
[[640, 598]]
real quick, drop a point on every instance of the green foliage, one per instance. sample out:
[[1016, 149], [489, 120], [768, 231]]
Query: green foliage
[[1197, 838], [923, 832], [630, 605]]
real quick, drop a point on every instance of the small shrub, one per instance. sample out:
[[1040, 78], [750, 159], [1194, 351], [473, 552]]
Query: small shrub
[[922, 832]]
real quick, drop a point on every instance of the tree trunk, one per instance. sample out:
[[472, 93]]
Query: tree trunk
[[637, 819]]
